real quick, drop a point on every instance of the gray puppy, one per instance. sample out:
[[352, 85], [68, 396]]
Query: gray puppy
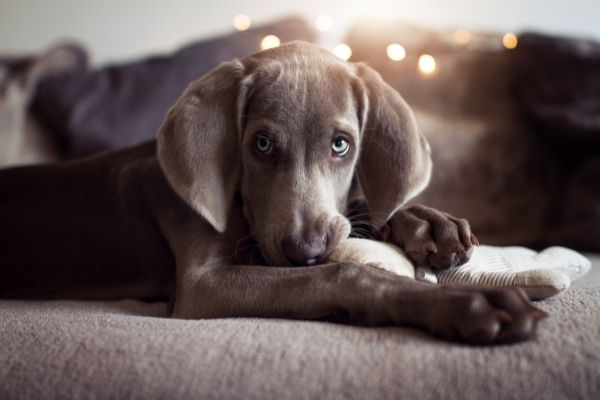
[[251, 184]]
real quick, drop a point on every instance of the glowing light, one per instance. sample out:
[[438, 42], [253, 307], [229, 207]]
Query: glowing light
[[342, 51], [509, 40], [427, 64], [396, 52], [462, 36], [241, 22], [269, 42], [323, 23]]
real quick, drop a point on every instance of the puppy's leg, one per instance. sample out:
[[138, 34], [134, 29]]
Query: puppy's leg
[[355, 293], [431, 237]]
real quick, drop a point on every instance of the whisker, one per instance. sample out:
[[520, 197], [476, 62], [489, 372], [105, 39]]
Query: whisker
[[360, 233], [364, 222], [238, 248]]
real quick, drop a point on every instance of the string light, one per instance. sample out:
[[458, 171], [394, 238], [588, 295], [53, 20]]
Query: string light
[[342, 51], [323, 23], [396, 52], [462, 36], [241, 22], [509, 40], [427, 64], [269, 41]]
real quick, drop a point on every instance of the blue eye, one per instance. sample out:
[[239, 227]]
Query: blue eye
[[263, 144], [340, 146]]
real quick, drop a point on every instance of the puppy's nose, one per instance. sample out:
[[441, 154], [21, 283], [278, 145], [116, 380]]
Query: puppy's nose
[[304, 252]]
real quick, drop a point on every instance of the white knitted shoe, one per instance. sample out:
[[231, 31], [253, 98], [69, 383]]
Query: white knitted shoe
[[541, 275]]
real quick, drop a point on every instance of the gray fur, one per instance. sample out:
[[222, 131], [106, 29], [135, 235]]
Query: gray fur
[[206, 220]]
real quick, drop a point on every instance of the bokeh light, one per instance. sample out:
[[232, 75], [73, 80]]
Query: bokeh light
[[343, 51], [323, 23], [241, 22], [427, 64], [509, 40], [269, 42], [462, 36], [396, 52]]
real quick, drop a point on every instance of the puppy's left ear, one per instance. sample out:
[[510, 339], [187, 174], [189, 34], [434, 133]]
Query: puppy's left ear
[[394, 162], [199, 142]]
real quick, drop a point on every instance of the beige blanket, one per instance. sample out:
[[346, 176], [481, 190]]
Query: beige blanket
[[128, 350]]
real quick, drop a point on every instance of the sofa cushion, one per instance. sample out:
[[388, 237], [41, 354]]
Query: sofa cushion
[[122, 105], [128, 350]]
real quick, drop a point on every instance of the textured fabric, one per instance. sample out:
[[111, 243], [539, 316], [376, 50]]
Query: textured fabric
[[541, 274], [127, 350]]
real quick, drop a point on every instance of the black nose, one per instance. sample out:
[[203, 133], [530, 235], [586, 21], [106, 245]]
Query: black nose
[[304, 252]]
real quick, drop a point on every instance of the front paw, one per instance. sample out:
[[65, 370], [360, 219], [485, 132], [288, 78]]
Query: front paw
[[431, 237], [488, 316]]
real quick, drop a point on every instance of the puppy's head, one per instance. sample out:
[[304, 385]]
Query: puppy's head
[[297, 132]]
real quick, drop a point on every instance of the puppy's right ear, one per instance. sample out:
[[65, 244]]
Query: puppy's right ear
[[199, 142]]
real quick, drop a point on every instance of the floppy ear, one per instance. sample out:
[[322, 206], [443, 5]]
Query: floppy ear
[[394, 162], [199, 145]]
